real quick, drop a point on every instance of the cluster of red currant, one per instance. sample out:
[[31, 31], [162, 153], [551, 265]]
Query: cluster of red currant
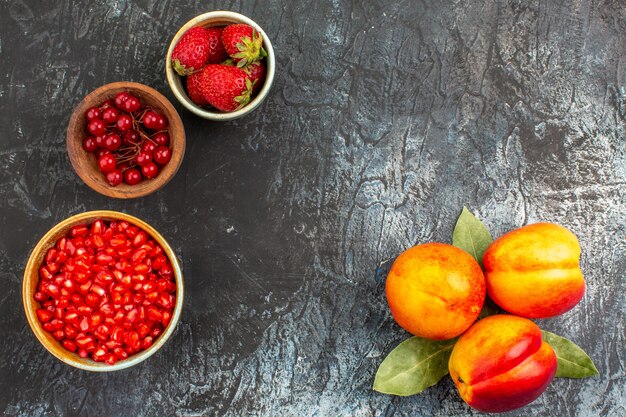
[[130, 141]]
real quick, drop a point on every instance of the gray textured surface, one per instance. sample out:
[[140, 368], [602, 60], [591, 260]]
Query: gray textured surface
[[385, 118]]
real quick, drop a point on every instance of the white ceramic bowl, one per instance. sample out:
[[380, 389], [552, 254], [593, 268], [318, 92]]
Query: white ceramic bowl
[[219, 18]]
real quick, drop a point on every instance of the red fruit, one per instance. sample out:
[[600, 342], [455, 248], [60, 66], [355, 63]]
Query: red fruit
[[243, 44], [89, 144], [153, 120], [131, 137], [192, 51], [226, 88], [96, 127], [149, 170], [148, 147], [131, 104], [162, 155], [124, 122], [132, 176], [194, 88], [143, 158], [256, 73], [107, 162], [93, 113], [114, 178], [109, 115], [217, 53], [112, 141], [123, 306], [161, 138], [120, 98]]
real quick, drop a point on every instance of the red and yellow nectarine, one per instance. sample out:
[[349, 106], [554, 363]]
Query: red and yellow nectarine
[[501, 363], [435, 290], [533, 271]]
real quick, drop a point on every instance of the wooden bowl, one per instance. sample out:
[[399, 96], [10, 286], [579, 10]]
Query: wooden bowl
[[219, 18], [31, 279], [86, 165]]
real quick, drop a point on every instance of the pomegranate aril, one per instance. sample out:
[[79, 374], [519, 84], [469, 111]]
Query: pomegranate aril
[[69, 345], [39, 296], [44, 315], [71, 317], [84, 324], [58, 334], [44, 273], [70, 331], [147, 342], [167, 316], [102, 332], [120, 353]]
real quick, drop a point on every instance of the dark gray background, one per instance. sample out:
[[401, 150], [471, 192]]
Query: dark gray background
[[385, 118]]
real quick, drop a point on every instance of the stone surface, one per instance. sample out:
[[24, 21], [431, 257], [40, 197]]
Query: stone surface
[[385, 119]]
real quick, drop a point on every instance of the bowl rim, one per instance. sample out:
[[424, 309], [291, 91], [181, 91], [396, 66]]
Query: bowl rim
[[175, 81], [34, 262], [134, 191]]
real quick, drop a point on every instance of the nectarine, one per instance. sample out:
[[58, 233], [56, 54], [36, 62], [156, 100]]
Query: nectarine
[[435, 290]]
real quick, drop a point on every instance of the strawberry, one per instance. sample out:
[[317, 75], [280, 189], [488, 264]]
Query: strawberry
[[226, 88], [243, 44], [217, 53], [256, 74], [192, 51], [194, 88]]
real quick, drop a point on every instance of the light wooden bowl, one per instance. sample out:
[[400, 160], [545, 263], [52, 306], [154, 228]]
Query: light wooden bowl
[[219, 18], [31, 279], [86, 165]]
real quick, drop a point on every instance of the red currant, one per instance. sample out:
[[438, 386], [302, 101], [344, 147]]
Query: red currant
[[131, 104], [96, 127], [112, 141], [89, 144], [162, 155], [148, 147], [153, 120], [131, 137], [132, 176], [92, 113], [124, 122], [102, 151], [107, 162], [149, 170], [114, 178], [107, 103], [109, 115], [143, 158], [120, 98], [161, 138]]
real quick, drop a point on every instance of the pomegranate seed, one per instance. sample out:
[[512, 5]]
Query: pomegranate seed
[[80, 230], [71, 317], [120, 353], [84, 324], [105, 286], [143, 330], [70, 331], [147, 342], [51, 255], [69, 345], [44, 315]]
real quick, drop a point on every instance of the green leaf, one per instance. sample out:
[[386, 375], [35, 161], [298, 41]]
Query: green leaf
[[471, 235], [413, 366], [572, 361]]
